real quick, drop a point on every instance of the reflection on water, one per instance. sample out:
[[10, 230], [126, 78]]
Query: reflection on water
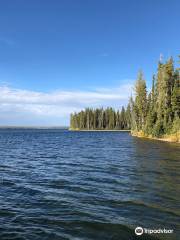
[[57, 184]]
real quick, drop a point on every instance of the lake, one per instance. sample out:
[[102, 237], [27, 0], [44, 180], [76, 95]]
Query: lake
[[57, 184]]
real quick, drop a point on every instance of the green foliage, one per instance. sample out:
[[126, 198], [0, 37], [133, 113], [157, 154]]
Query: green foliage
[[175, 97], [159, 113], [158, 129], [156, 113], [176, 125], [140, 104], [101, 119]]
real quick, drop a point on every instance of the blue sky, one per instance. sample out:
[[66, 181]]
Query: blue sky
[[82, 49]]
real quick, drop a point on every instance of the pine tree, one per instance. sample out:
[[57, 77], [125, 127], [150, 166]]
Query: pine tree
[[128, 116], [100, 119], [140, 101], [168, 85], [175, 98], [160, 96], [156, 113], [151, 109], [123, 118]]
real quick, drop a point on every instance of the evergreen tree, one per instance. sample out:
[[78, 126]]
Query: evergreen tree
[[156, 113], [175, 98], [140, 101], [123, 118], [100, 119], [128, 116]]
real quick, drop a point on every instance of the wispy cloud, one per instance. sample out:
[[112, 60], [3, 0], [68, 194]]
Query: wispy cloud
[[6, 41], [22, 107]]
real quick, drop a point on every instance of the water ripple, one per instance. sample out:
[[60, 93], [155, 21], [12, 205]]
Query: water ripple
[[57, 184]]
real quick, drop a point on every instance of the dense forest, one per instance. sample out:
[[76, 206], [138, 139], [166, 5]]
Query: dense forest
[[152, 114], [102, 119], [158, 112]]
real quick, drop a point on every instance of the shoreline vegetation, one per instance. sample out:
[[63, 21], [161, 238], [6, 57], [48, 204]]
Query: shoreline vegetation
[[98, 130], [153, 115], [165, 138]]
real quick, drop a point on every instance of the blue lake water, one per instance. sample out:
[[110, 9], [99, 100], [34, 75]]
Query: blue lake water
[[57, 184]]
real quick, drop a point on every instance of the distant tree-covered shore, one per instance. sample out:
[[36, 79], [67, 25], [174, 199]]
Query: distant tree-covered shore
[[101, 119], [155, 113]]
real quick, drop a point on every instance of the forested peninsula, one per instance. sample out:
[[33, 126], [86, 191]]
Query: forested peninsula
[[153, 114]]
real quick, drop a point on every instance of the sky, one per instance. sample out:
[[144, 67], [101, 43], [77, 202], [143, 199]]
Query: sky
[[57, 57]]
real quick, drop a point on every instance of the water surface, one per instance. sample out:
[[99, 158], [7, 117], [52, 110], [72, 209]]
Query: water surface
[[57, 184]]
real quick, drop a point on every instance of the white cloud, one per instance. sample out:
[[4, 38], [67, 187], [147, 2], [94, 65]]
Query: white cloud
[[24, 107]]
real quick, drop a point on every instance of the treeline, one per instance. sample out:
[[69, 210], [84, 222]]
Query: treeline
[[155, 113], [101, 119], [158, 112]]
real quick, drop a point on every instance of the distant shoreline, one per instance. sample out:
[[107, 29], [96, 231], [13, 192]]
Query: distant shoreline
[[62, 128], [33, 127]]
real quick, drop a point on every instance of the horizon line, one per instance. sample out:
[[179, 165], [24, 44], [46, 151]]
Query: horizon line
[[33, 126]]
